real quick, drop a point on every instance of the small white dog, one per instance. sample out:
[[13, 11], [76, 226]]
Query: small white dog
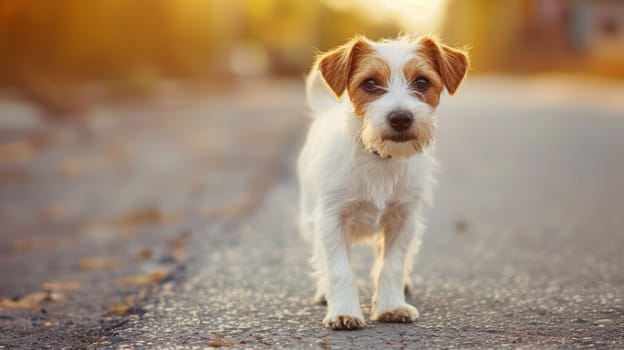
[[366, 167]]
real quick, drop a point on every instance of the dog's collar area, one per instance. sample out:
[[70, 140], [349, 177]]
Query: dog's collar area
[[379, 155]]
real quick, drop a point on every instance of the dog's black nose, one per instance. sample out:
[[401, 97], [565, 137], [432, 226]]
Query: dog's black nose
[[400, 120]]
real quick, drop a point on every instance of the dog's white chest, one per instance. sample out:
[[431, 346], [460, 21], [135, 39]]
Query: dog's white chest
[[361, 219], [379, 181]]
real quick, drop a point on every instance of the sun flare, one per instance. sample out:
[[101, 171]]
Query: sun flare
[[411, 15]]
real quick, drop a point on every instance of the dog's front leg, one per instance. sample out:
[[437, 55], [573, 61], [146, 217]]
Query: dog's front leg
[[389, 305], [343, 304]]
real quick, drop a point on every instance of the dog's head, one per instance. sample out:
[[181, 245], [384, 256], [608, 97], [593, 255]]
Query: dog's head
[[394, 87]]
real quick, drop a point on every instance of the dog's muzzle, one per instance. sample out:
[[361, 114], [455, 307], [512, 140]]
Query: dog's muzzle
[[400, 120]]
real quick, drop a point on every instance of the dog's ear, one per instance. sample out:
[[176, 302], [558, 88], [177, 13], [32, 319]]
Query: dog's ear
[[452, 64], [337, 65]]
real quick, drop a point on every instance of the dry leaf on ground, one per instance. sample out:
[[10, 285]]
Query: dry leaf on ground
[[122, 308], [180, 241], [220, 343], [142, 217], [29, 301], [116, 152], [99, 263], [35, 243], [178, 244], [149, 216], [54, 211], [19, 150], [145, 254], [142, 280], [61, 285], [71, 168], [119, 309]]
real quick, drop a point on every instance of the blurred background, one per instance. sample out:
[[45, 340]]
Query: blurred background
[[123, 48]]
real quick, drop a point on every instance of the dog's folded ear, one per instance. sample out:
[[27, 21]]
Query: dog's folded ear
[[337, 65], [452, 64]]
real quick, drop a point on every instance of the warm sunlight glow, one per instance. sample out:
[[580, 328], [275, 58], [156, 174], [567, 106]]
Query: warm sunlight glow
[[412, 15]]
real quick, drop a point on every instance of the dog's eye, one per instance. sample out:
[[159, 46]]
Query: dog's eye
[[420, 84], [370, 85]]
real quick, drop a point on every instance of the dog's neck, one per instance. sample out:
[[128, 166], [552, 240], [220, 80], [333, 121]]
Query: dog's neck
[[379, 155]]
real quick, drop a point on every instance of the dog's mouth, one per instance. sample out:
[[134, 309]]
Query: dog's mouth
[[397, 143], [400, 137]]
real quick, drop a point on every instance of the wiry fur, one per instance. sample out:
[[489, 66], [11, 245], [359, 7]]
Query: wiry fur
[[357, 182]]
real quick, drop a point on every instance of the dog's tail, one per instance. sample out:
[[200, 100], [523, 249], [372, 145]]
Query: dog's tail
[[318, 95]]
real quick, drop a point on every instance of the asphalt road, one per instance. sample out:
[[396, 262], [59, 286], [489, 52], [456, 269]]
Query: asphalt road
[[171, 224]]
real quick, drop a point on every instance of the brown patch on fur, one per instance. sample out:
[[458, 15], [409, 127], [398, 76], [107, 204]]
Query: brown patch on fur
[[451, 64], [423, 66], [348, 66], [337, 65], [369, 66]]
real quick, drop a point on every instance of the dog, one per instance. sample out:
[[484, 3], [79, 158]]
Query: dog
[[367, 169]]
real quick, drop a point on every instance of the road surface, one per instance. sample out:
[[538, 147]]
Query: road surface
[[171, 223]]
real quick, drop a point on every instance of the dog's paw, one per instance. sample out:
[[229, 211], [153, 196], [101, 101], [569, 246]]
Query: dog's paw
[[344, 322], [402, 314]]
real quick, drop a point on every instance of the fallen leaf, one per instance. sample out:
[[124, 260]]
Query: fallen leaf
[[52, 296], [219, 343], [71, 168], [29, 301], [145, 254], [603, 321], [18, 150], [178, 244], [142, 293], [54, 211], [116, 153], [142, 280], [234, 208], [181, 240], [61, 285], [119, 309], [178, 254], [99, 263], [149, 216], [35, 243], [22, 245], [141, 217], [122, 308]]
